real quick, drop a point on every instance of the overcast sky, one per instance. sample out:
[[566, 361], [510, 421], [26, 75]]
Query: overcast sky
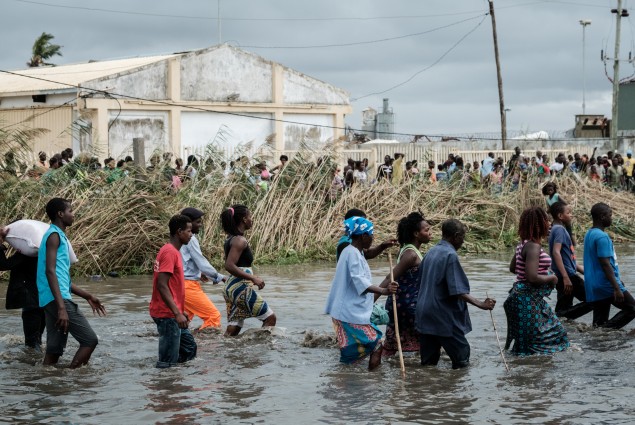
[[455, 93]]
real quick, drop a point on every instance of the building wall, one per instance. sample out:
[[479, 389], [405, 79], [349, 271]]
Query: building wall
[[55, 122], [152, 126], [23, 102], [311, 135], [229, 133], [626, 105], [146, 82], [214, 74], [300, 89], [223, 79]]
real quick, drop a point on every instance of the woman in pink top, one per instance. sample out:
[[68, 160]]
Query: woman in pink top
[[531, 323]]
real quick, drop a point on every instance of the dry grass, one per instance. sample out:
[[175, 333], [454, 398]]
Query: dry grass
[[120, 226]]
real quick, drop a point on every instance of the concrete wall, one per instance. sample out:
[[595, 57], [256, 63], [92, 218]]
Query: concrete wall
[[147, 82], [298, 88], [312, 135], [151, 125], [227, 132], [214, 74]]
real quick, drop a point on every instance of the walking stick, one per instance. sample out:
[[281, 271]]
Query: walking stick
[[500, 347], [394, 314]]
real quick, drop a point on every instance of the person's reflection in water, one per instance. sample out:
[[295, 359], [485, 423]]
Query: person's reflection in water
[[435, 395], [172, 400]]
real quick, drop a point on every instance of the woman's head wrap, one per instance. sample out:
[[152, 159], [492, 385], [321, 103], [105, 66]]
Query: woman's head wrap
[[358, 226]]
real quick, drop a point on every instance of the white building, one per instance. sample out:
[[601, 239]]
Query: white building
[[177, 103]]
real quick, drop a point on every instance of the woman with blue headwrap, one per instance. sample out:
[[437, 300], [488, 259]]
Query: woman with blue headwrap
[[350, 301]]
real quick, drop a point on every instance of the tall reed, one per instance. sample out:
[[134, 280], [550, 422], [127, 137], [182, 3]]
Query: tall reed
[[121, 225]]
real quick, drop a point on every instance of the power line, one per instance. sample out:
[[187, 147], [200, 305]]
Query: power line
[[426, 68], [573, 3], [292, 19], [369, 41], [195, 108], [213, 18]]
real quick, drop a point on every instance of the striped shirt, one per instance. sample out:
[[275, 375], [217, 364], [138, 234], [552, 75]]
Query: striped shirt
[[544, 262]]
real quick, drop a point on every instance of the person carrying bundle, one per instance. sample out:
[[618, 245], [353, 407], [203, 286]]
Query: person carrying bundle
[[55, 288]]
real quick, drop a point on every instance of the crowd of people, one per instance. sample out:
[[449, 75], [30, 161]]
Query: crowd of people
[[42, 287], [432, 291], [172, 171], [612, 169]]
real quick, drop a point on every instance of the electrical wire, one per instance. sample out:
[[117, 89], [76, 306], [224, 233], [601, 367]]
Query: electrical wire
[[369, 41], [118, 113], [455, 45], [196, 108], [572, 3], [214, 18]]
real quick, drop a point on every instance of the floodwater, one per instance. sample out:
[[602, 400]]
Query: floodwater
[[271, 377]]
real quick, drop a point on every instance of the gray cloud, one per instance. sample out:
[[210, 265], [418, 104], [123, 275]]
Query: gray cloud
[[540, 46]]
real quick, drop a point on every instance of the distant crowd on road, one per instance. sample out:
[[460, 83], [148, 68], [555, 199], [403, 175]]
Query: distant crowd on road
[[611, 169]]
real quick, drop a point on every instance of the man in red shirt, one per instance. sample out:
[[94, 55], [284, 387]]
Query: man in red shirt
[[167, 306]]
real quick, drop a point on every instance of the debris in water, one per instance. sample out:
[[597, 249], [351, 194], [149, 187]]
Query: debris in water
[[314, 339]]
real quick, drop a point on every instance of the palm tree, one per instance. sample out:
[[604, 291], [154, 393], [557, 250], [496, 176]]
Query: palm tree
[[43, 50]]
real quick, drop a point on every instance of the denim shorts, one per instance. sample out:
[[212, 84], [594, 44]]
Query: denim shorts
[[78, 326]]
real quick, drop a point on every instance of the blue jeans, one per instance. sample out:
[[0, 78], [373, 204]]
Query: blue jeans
[[176, 345]]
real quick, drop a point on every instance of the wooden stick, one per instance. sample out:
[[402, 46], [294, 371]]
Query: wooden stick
[[394, 315], [500, 347]]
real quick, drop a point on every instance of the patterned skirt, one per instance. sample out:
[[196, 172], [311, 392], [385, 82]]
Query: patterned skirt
[[406, 298], [243, 301], [356, 341], [531, 323]]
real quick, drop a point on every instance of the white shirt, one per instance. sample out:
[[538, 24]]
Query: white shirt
[[556, 166], [347, 301], [488, 165]]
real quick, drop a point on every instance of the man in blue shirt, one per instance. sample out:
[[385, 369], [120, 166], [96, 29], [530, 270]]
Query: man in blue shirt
[[55, 287], [601, 273], [442, 317]]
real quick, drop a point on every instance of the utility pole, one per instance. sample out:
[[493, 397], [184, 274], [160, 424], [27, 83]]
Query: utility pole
[[500, 78], [584, 23], [616, 70]]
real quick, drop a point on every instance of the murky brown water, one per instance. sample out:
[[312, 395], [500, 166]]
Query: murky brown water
[[271, 378]]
